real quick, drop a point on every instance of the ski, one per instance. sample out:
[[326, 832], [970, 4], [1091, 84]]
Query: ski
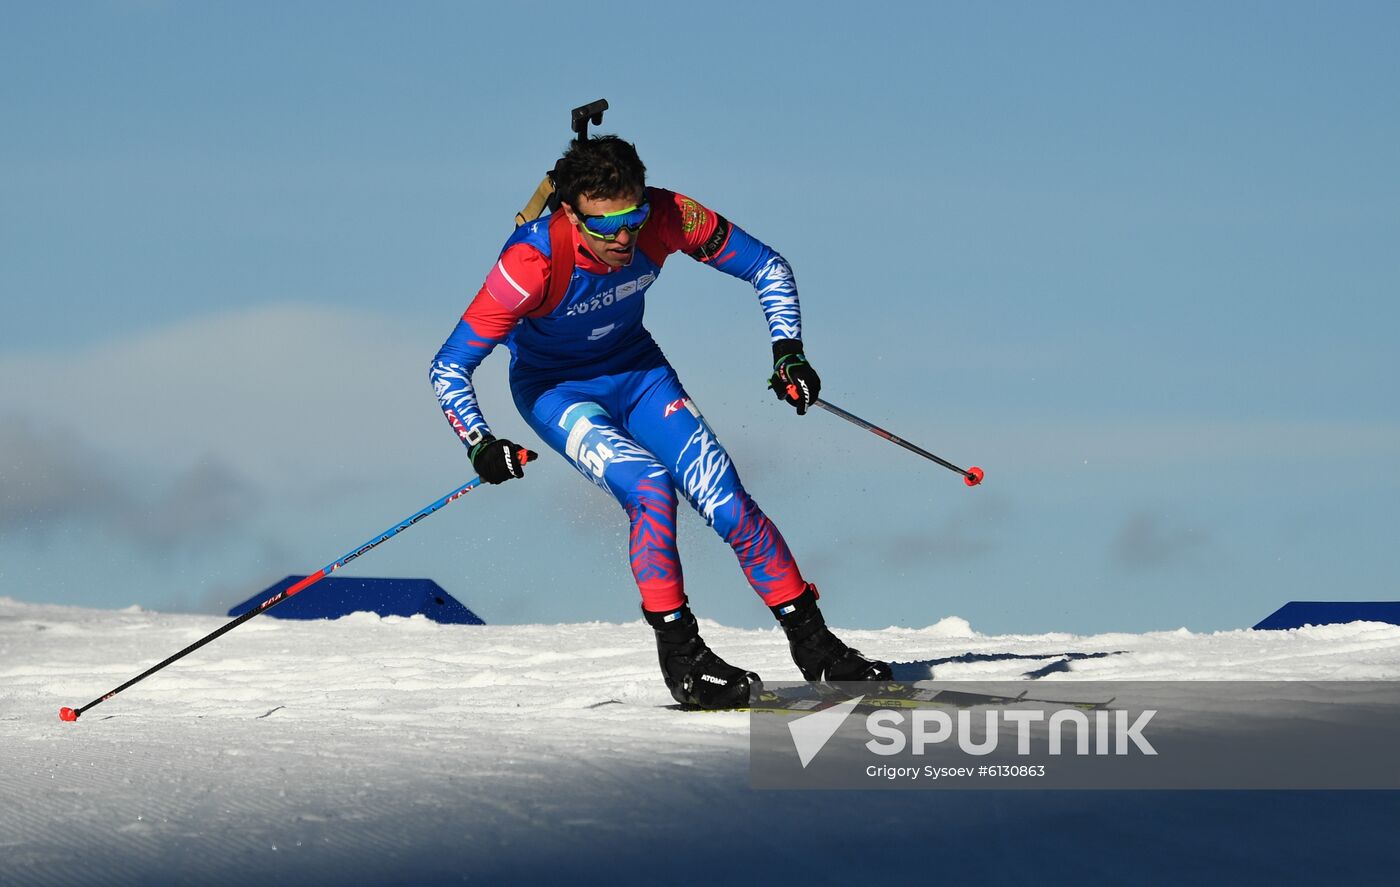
[[806, 699], [898, 696]]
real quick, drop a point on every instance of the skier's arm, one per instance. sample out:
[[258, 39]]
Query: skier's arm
[[713, 240], [451, 375], [516, 284]]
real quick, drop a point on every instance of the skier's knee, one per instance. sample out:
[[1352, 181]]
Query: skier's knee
[[739, 520], [653, 495]]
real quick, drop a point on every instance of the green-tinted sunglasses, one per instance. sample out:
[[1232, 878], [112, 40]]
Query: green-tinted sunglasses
[[608, 225]]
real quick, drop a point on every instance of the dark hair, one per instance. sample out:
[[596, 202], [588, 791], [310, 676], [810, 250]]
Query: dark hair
[[602, 167]]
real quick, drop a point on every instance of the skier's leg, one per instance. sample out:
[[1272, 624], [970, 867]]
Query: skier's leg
[[584, 433], [693, 673], [819, 654], [665, 420]]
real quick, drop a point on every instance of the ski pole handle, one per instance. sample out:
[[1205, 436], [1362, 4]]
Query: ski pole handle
[[971, 476]]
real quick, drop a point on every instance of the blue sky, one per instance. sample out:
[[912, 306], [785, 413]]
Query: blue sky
[[1137, 262]]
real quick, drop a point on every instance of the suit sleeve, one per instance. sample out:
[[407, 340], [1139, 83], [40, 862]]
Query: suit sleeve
[[517, 283], [711, 239]]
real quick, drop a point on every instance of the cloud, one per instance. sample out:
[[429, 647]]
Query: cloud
[[254, 444], [176, 436], [288, 395], [50, 477], [209, 501], [966, 535], [971, 532], [949, 544], [1208, 445], [46, 476], [1149, 542]]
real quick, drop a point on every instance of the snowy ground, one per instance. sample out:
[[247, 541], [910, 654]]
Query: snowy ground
[[374, 751]]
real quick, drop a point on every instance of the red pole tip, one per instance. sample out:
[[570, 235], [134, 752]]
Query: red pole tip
[[67, 714], [973, 477]]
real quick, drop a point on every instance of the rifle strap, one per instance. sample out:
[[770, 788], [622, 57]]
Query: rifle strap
[[561, 262]]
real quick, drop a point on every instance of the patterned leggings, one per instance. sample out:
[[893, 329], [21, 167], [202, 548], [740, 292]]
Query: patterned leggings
[[637, 435]]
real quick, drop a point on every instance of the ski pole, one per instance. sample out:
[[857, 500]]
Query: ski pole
[[71, 714], [971, 476]]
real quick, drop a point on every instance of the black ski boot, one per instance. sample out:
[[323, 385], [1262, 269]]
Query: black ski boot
[[819, 654], [694, 674]]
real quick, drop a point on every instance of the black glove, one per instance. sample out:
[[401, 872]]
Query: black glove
[[497, 461], [794, 380]]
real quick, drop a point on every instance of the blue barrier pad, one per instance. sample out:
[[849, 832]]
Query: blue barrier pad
[[1296, 614], [335, 596]]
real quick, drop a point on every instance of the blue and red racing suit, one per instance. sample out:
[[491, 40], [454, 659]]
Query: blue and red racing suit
[[590, 380]]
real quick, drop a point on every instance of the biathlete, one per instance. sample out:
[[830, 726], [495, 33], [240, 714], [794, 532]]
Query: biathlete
[[566, 297]]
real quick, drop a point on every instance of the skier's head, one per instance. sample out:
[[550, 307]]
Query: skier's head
[[601, 185], [600, 167]]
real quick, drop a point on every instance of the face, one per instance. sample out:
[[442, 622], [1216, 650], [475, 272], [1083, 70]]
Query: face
[[613, 253]]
